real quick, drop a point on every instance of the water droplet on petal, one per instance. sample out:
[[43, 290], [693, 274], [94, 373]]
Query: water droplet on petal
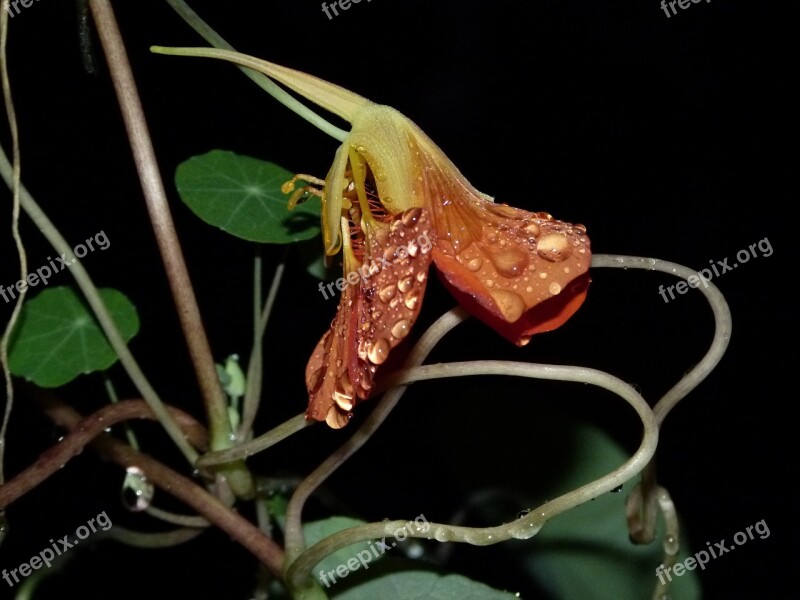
[[378, 351], [509, 262], [475, 264], [554, 288], [386, 293], [533, 229], [405, 284], [421, 276], [554, 247], [510, 303], [411, 216], [343, 394], [523, 513], [411, 301], [401, 328], [344, 401]]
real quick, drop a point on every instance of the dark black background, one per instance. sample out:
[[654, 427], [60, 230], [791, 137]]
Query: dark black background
[[666, 137]]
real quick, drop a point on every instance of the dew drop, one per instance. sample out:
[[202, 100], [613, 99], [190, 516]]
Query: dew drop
[[543, 275], [671, 545], [524, 531], [475, 264], [510, 262], [411, 216], [401, 328], [554, 288], [440, 535], [137, 491], [378, 351], [533, 229], [510, 304], [554, 247], [411, 301], [523, 513], [343, 398], [421, 276], [389, 253], [387, 292], [405, 284]]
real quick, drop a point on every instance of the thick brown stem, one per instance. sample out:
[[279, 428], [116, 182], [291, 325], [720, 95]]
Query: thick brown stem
[[83, 433], [161, 219], [175, 484]]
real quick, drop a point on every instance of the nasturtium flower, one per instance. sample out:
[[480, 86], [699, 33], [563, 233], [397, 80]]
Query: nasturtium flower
[[393, 203]]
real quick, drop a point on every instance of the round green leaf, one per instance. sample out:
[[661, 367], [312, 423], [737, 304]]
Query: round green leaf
[[421, 585], [242, 196], [586, 553], [57, 337]]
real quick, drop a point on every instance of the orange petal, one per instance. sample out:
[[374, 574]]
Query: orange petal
[[520, 272], [374, 315]]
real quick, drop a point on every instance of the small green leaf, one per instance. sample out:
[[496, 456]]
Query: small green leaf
[[421, 585], [242, 196], [57, 337]]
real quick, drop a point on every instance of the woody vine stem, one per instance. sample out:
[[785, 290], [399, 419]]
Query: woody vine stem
[[298, 561]]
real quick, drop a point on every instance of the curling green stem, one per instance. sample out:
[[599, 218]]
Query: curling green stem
[[299, 572]]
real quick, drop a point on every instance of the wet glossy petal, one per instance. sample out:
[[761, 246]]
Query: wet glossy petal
[[375, 314]]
